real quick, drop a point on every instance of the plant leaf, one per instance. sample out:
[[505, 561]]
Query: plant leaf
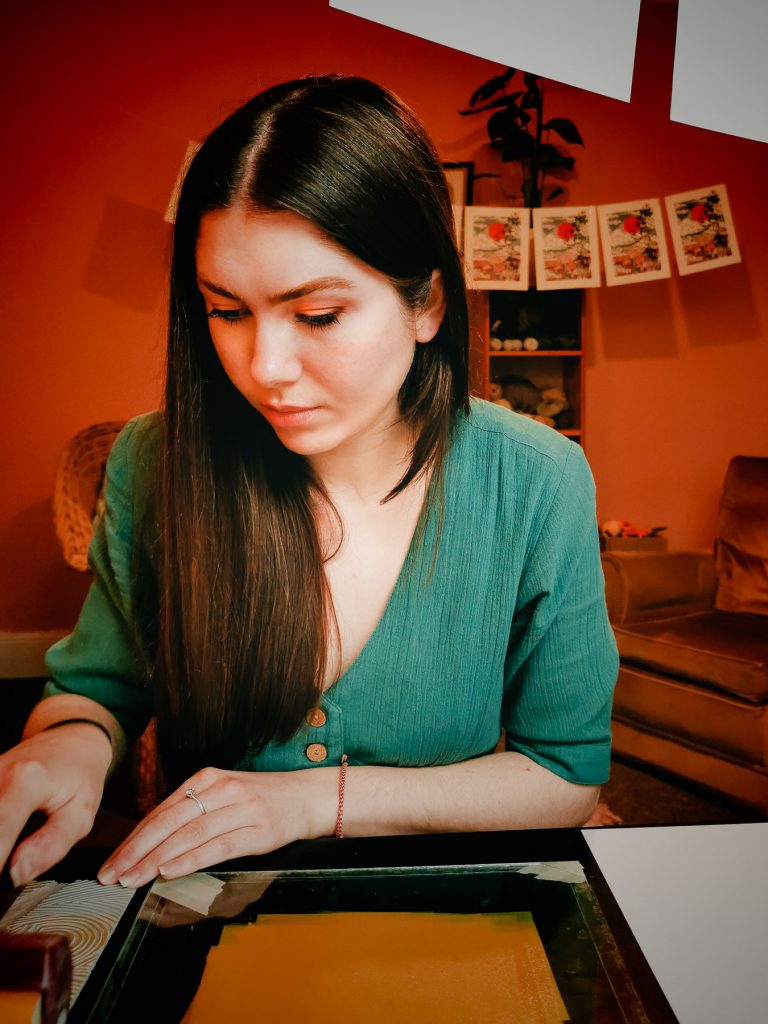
[[566, 129], [550, 157], [504, 125], [515, 148], [555, 192], [530, 79], [509, 100], [487, 89]]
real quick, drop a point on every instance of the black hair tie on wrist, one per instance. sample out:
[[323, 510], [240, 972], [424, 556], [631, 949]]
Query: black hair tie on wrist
[[78, 721]]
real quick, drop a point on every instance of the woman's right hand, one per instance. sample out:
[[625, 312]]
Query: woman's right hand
[[60, 772]]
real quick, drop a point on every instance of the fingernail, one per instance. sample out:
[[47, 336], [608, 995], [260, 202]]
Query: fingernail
[[106, 876], [128, 881], [20, 873]]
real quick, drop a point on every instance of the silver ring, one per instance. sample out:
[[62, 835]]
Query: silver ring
[[192, 795]]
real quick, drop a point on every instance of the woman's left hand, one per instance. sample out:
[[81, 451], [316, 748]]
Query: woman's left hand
[[246, 813]]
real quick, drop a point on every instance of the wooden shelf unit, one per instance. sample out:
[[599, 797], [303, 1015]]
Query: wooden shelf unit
[[555, 318]]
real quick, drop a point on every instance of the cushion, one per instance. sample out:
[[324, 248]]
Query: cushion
[[722, 650], [690, 714], [741, 545], [657, 585]]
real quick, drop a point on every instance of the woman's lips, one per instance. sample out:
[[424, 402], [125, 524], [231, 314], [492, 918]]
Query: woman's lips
[[287, 415]]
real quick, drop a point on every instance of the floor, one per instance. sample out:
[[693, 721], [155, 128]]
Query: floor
[[642, 796]]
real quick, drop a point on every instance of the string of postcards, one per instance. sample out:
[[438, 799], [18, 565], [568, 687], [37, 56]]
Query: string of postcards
[[496, 241]]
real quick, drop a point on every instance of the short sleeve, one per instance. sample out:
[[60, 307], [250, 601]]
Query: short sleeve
[[562, 661], [101, 658]]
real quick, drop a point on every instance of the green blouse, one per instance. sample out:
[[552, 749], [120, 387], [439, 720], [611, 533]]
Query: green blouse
[[505, 627]]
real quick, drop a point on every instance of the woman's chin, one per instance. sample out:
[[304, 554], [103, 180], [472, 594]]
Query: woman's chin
[[307, 442]]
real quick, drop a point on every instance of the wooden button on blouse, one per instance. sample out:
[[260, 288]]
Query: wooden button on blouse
[[316, 717], [316, 752]]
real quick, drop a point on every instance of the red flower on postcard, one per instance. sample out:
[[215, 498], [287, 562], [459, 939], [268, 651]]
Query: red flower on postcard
[[496, 231], [632, 225], [700, 213], [565, 230]]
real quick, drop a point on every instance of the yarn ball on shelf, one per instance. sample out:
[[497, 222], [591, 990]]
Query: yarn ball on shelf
[[553, 402], [521, 393]]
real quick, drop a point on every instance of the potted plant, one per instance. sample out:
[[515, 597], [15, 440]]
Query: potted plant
[[519, 134]]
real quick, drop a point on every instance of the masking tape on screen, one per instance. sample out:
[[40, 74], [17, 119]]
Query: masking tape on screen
[[569, 871], [194, 892]]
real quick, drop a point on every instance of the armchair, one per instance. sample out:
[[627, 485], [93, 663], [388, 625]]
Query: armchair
[[692, 632], [77, 503]]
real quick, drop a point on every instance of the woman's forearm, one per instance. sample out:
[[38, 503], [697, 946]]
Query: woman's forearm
[[503, 790], [66, 707], [236, 814]]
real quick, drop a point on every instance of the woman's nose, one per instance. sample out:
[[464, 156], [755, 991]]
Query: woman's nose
[[274, 359]]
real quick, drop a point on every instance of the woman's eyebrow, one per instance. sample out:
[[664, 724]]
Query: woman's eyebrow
[[217, 289], [319, 284]]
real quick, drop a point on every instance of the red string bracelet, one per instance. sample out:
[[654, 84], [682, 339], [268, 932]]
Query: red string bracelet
[[342, 784]]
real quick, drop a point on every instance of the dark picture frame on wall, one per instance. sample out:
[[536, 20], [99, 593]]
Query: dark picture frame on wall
[[460, 175]]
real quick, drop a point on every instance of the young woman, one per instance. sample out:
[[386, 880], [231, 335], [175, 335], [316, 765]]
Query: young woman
[[332, 577]]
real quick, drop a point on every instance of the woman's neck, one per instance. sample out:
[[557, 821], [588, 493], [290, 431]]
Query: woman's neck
[[367, 472]]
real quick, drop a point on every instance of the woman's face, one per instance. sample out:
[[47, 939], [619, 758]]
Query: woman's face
[[315, 339]]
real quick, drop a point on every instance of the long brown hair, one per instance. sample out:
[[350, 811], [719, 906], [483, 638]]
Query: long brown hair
[[239, 639]]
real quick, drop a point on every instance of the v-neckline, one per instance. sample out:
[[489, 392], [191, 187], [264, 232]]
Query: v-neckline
[[420, 538], [428, 537]]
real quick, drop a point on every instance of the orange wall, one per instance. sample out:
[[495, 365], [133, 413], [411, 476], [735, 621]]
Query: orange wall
[[104, 99]]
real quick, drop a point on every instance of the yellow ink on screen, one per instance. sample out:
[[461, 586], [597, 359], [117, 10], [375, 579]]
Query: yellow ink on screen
[[380, 967]]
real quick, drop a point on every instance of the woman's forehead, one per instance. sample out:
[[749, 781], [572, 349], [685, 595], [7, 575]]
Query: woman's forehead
[[274, 251], [239, 226]]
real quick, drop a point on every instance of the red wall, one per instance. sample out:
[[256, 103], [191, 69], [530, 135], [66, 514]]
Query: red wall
[[102, 101]]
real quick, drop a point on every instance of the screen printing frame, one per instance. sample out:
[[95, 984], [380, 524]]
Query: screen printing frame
[[120, 979]]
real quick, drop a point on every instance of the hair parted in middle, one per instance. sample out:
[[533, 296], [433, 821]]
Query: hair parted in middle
[[239, 646]]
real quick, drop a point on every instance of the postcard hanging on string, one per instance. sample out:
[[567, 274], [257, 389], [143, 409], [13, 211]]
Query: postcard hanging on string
[[702, 230], [566, 248], [496, 247], [634, 244]]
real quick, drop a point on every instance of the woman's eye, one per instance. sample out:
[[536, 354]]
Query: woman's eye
[[229, 316], [317, 321]]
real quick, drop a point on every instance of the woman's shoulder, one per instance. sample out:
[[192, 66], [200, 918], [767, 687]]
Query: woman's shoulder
[[133, 455], [513, 436], [517, 471], [139, 438], [503, 456]]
